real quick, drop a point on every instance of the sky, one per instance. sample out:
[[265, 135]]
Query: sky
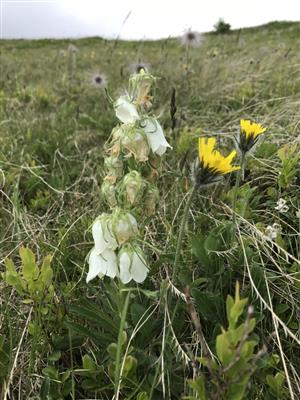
[[134, 19]]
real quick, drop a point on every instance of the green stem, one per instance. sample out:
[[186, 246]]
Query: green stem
[[239, 179], [181, 231], [119, 346], [177, 255]]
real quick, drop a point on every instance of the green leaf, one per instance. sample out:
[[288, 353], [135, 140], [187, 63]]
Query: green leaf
[[236, 311], [99, 337], [236, 391], [55, 356], [198, 250], [51, 373], [142, 396], [65, 375], [276, 383], [45, 389], [224, 350], [92, 312], [199, 386], [208, 304], [12, 278], [46, 271], [29, 268], [88, 363], [67, 387]]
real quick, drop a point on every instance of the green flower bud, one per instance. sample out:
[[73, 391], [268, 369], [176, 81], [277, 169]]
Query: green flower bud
[[124, 226], [115, 143], [140, 87], [114, 167], [108, 191], [133, 186], [151, 200], [135, 142]]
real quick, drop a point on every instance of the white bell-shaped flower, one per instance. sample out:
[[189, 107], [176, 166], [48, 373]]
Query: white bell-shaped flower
[[126, 111], [102, 264], [155, 136], [103, 235], [132, 265]]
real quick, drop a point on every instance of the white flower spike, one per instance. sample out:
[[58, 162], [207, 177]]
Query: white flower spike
[[132, 265], [102, 264], [126, 111], [155, 136]]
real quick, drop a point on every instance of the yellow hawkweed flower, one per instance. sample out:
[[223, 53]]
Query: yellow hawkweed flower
[[213, 165], [249, 134]]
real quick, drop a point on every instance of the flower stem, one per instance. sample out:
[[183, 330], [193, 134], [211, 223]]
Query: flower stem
[[167, 293], [119, 346], [181, 231], [239, 179]]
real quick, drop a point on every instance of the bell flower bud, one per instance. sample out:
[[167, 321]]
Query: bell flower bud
[[133, 185], [108, 191], [136, 143], [140, 87], [124, 226], [114, 167], [151, 200]]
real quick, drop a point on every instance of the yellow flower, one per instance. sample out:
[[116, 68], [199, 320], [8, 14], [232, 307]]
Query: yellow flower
[[213, 159], [249, 134], [212, 163]]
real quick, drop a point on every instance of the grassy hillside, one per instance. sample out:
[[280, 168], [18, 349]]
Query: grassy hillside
[[54, 122]]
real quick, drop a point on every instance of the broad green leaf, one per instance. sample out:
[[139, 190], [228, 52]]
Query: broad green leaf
[[50, 372], [88, 363], [12, 278], [142, 396], [29, 268], [46, 271], [236, 311], [199, 386], [236, 391], [223, 348], [55, 356]]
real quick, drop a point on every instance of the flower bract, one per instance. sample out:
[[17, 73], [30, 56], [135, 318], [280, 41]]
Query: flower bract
[[249, 134]]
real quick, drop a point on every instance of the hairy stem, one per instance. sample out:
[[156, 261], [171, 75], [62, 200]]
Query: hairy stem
[[239, 179], [119, 346], [181, 231]]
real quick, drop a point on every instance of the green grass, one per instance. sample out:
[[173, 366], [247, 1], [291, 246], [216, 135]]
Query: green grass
[[53, 127]]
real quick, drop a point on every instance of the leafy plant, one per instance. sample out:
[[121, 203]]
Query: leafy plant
[[227, 378], [222, 27]]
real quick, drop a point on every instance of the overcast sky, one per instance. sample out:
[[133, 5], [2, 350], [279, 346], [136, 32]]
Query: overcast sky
[[134, 19]]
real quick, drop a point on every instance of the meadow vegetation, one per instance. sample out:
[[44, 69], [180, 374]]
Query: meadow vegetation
[[218, 316]]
